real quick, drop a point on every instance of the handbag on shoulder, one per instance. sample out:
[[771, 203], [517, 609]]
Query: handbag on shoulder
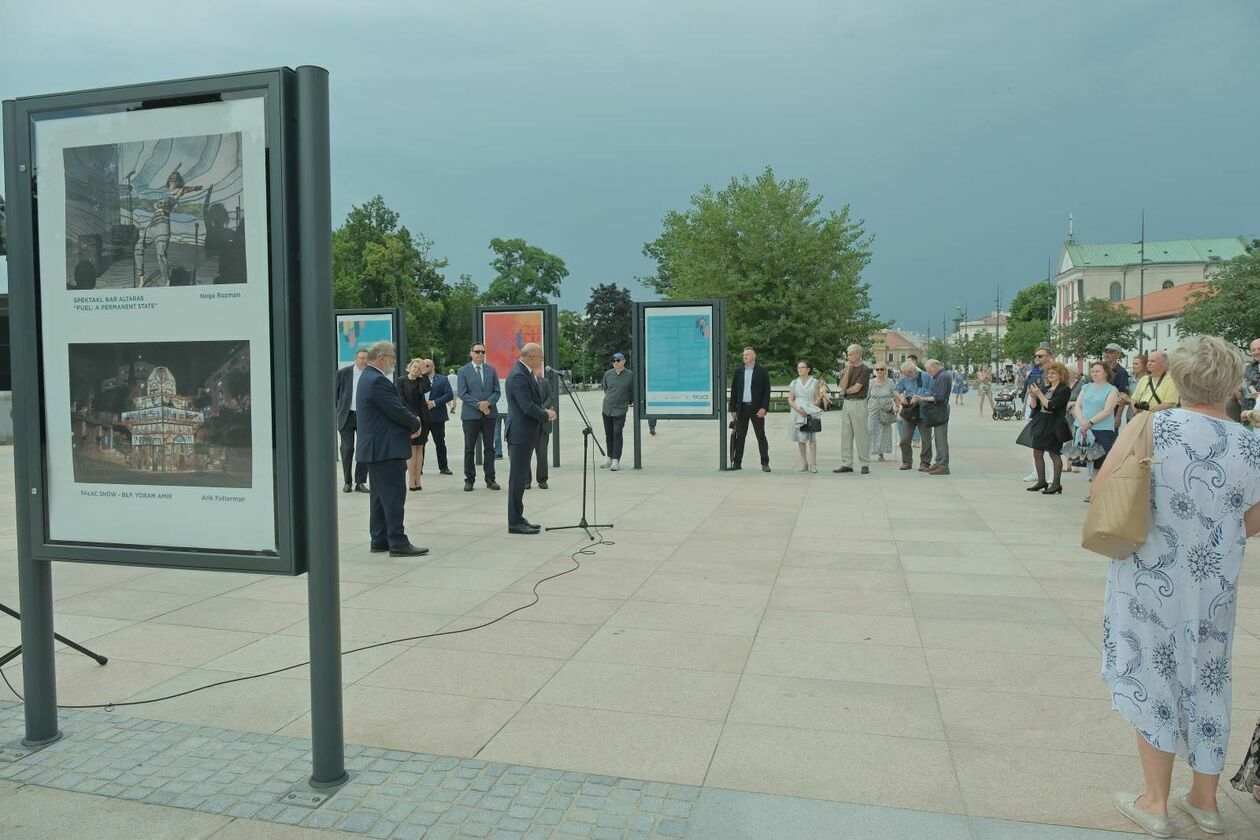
[[1119, 515], [934, 414]]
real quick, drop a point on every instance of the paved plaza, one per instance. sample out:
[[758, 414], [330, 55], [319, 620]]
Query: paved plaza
[[756, 655]]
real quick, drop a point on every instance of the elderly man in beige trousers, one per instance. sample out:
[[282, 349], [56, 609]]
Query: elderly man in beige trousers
[[855, 382]]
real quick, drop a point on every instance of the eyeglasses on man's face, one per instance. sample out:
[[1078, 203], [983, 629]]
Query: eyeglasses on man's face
[[479, 352]]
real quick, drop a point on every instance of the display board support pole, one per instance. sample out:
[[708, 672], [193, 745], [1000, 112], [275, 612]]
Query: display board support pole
[[719, 370], [639, 355], [323, 585], [39, 672]]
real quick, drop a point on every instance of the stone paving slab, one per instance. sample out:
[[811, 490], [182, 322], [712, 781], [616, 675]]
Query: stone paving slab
[[391, 793]]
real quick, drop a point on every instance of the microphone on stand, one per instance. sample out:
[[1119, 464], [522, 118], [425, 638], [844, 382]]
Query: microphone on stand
[[563, 374]]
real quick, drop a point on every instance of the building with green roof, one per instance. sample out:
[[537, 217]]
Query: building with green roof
[[1113, 270]]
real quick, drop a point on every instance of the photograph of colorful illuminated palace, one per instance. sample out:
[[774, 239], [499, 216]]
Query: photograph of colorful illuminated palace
[[161, 413]]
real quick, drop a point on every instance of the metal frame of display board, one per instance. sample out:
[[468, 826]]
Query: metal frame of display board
[[399, 328], [719, 375], [294, 107], [551, 356]]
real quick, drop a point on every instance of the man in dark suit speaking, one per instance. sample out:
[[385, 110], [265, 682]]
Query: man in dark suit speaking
[[386, 427], [525, 407]]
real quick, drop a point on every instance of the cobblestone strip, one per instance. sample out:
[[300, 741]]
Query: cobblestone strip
[[391, 793]]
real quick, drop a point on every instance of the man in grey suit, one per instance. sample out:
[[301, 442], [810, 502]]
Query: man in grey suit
[[479, 408], [347, 420]]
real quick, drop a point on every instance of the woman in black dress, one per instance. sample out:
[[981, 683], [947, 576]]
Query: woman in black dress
[[413, 389], [1049, 426]]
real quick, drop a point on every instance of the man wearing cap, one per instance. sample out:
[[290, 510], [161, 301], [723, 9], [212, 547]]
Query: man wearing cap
[[618, 397], [1118, 375]]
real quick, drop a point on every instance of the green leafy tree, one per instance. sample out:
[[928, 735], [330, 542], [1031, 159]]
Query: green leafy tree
[[765, 246], [980, 349], [939, 349], [379, 263], [575, 336], [1034, 303], [1022, 338], [609, 315], [1229, 305], [1093, 324], [524, 274], [457, 331]]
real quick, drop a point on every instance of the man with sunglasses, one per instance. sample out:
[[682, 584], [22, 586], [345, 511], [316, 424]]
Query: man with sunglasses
[[618, 397], [1041, 360], [479, 408]]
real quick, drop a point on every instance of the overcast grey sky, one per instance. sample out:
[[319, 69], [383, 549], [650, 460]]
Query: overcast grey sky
[[962, 132]]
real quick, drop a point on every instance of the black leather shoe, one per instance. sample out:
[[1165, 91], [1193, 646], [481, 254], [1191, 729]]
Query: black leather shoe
[[445, 472], [361, 488], [523, 529], [468, 486], [765, 468], [346, 488], [529, 487], [409, 551], [736, 467], [842, 470], [866, 470], [493, 485], [378, 549], [542, 485], [498, 456]]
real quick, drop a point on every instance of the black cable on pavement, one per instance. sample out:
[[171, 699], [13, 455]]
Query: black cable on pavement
[[587, 550]]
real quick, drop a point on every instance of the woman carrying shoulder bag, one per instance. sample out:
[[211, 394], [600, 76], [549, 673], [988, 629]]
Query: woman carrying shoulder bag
[[1170, 606]]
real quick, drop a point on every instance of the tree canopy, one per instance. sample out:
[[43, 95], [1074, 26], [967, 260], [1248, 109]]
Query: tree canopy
[[1093, 324], [379, 263], [1229, 305], [609, 314], [524, 274], [1022, 338], [1033, 303], [790, 274]]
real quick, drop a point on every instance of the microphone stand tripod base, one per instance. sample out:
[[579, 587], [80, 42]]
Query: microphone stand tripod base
[[587, 434]]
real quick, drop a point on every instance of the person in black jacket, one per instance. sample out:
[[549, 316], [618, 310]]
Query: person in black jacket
[[414, 389], [1049, 424], [347, 392], [386, 427], [525, 407], [750, 400]]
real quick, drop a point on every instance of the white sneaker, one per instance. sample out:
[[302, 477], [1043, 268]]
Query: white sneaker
[[607, 463], [616, 465]]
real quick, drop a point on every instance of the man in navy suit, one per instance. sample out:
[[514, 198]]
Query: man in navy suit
[[479, 408], [525, 405], [440, 394], [386, 427]]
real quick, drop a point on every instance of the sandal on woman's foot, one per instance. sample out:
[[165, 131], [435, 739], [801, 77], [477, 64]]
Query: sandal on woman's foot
[[1152, 824]]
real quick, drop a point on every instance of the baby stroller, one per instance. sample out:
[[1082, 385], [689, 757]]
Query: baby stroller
[[1004, 405]]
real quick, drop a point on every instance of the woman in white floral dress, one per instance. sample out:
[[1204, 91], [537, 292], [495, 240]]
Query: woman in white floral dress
[[1168, 625]]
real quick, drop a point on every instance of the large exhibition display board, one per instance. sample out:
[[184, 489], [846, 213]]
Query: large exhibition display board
[[159, 308], [679, 365], [505, 330], [357, 328], [154, 292]]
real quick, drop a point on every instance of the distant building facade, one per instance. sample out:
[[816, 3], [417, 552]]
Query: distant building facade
[[895, 346], [1113, 271], [994, 324]]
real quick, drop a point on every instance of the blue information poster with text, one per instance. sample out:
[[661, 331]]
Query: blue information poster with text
[[678, 360]]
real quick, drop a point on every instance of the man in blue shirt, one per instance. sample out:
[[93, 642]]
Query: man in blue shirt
[[913, 383]]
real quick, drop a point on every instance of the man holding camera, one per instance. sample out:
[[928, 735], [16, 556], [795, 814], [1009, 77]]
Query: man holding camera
[[1156, 391]]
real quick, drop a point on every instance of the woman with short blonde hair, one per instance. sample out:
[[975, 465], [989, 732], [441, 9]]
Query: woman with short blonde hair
[[1168, 617]]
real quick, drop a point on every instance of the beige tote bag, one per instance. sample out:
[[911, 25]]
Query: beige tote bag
[[1120, 513]]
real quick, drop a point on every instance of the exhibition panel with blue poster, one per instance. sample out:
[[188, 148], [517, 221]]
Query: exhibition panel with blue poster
[[679, 364]]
